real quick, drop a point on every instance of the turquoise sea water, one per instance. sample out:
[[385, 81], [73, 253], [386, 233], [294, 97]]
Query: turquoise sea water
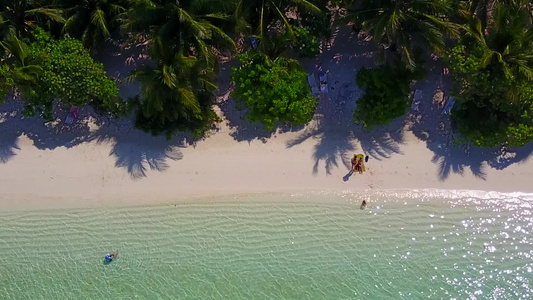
[[404, 245]]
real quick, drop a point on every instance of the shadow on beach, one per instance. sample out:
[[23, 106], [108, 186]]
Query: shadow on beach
[[241, 129], [433, 127], [332, 126], [133, 150], [137, 152]]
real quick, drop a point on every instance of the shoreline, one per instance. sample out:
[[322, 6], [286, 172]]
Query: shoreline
[[349, 198], [96, 174]]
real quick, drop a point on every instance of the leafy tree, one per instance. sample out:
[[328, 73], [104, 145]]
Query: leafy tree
[[267, 18], [92, 21], [492, 71], [492, 109], [273, 90], [177, 91], [386, 94], [176, 95], [394, 24], [259, 14], [69, 75], [24, 15], [305, 43], [483, 9]]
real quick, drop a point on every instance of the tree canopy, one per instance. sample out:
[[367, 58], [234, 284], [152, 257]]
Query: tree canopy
[[488, 44], [69, 74], [386, 95], [394, 24], [493, 78]]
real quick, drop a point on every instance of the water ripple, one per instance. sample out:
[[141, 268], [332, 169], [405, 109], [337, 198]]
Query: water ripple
[[405, 245]]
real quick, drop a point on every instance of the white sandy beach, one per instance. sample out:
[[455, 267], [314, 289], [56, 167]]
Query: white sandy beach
[[102, 162]]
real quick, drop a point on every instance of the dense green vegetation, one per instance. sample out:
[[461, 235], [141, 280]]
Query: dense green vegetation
[[48, 46], [70, 75], [397, 24], [177, 92], [493, 76], [386, 93], [50, 69], [273, 90]]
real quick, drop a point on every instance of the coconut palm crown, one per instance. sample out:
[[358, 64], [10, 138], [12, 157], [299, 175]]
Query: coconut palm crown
[[23, 15], [91, 21], [508, 43], [397, 24]]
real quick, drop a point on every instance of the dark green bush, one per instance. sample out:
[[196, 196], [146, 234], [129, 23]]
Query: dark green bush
[[386, 94]]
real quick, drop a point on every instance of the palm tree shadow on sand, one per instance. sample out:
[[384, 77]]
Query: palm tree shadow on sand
[[337, 137], [134, 151], [434, 127], [241, 129], [138, 152], [8, 146]]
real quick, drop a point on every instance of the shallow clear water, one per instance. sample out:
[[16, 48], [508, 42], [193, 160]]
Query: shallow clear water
[[406, 245]]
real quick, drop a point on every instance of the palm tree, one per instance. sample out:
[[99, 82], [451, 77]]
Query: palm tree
[[396, 24], [176, 95], [23, 15], [92, 20], [260, 15], [174, 26], [508, 43], [23, 69], [483, 9]]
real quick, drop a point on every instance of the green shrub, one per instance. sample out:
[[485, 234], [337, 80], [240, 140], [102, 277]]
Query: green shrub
[[69, 75], [272, 90], [386, 94]]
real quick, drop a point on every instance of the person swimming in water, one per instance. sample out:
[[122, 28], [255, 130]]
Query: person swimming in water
[[363, 205], [110, 256]]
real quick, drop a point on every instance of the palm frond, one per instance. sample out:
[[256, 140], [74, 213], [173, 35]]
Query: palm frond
[[53, 14], [28, 73], [262, 22], [195, 26], [15, 47], [221, 37], [70, 24], [217, 16], [189, 100], [168, 77], [98, 18], [307, 5]]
